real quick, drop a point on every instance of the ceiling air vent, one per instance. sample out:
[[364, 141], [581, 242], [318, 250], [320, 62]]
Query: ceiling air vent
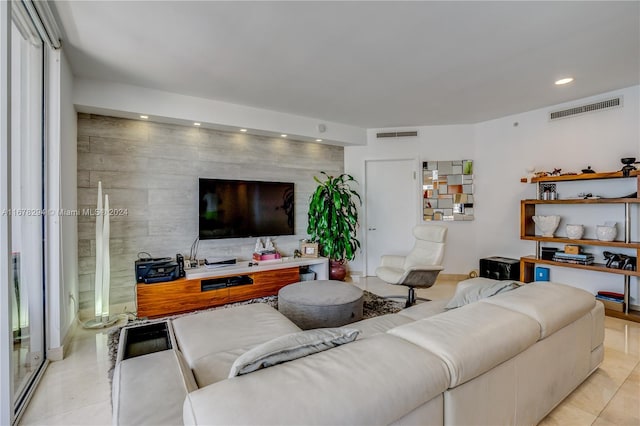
[[583, 109], [396, 134]]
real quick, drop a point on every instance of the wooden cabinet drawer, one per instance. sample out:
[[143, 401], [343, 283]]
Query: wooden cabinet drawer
[[178, 296], [265, 283]]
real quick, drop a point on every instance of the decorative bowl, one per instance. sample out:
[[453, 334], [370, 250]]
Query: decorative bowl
[[606, 233], [575, 232], [547, 224]]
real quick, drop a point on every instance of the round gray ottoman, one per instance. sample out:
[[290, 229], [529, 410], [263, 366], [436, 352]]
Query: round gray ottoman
[[318, 304]]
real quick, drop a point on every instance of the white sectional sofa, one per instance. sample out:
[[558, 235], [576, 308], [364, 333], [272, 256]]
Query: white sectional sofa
[[507, 359]]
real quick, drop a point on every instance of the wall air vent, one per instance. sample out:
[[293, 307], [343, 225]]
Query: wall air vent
[[396, 134], [583, 109]]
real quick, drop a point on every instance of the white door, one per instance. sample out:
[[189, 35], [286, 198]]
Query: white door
[[391, 208]]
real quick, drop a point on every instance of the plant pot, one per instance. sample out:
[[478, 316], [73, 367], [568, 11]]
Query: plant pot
[[337, 270]]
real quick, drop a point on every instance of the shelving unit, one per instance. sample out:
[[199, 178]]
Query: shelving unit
[[527, 232]]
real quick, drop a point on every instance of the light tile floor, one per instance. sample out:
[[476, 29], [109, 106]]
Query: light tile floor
[[75, 391]]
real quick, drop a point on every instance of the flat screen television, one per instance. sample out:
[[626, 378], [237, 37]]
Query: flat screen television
[[244, 208]]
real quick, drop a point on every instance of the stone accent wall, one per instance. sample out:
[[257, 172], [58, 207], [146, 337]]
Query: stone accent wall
[[152, 170]]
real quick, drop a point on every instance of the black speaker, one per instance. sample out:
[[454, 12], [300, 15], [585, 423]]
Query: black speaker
[[180, 261], [500, 268]]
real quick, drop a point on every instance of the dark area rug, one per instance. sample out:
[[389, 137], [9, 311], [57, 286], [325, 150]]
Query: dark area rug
[[373, 306]]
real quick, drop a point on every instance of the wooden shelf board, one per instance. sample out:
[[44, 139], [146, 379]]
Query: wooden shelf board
[[583, 201], [594, 267], [631, 316], [586, 242], [585, 176]]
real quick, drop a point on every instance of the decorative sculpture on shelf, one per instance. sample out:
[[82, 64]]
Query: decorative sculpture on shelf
[[259, 248], [628, 165], [267, 251], [268, 246], [530, 173], [620, 261]]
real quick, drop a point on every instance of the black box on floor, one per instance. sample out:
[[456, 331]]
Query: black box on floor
[[500, 268]]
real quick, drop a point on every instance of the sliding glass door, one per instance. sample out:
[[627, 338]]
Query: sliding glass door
[[27, 204]]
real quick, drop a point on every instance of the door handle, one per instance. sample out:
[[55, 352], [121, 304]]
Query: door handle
[[372, 229]]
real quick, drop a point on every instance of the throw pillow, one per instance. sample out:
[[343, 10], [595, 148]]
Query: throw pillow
[[291, 346], [473, 292]]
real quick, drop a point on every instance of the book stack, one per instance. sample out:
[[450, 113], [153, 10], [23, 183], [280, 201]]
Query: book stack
[[611, 300], [579, 258]]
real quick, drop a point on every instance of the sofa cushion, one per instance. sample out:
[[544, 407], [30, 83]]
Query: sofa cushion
[[372, 326], [475, 289], [383, 323], [424, 309], [552, 305], [245, 326], [370, 381], [150, 389], [289, 347], [215, 367], [472, 339]]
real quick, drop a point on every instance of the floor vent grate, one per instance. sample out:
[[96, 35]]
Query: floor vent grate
[[583, 109]]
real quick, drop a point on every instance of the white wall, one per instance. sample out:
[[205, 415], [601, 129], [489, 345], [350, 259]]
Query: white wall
[[597, 139], [121, 100], [69, 198], [432, 143], [62, 259], [501, 152]]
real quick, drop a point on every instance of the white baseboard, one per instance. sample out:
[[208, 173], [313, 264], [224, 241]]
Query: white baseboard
[[452, 277], [55, 354], [58, 353], [356, 275]]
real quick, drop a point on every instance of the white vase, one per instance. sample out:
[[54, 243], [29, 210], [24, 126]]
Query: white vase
[[547, 224], [606, 233], [575, 232]]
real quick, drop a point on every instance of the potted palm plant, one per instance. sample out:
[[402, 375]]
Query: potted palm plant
[[333, 221]]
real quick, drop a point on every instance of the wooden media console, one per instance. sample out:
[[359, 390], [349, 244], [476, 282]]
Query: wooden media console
[[204, 288]]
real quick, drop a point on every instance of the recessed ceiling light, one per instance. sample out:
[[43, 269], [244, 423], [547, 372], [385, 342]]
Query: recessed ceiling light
[[144, 117], [318, 140], [564, 81], [283, 135], [243, 130], [196, 124]]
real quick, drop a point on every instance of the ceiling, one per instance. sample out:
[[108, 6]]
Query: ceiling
[[366, 64]]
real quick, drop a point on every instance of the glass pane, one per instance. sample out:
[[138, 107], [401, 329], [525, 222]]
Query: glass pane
[[27, 205]]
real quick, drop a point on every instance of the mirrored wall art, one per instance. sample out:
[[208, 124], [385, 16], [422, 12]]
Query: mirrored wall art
[[447, 188]]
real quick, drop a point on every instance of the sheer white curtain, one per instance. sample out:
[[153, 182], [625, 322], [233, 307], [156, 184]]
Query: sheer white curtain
[[25, 37]]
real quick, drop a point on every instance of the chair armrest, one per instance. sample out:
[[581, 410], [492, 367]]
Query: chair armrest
[[392, 261], [421, 275]]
